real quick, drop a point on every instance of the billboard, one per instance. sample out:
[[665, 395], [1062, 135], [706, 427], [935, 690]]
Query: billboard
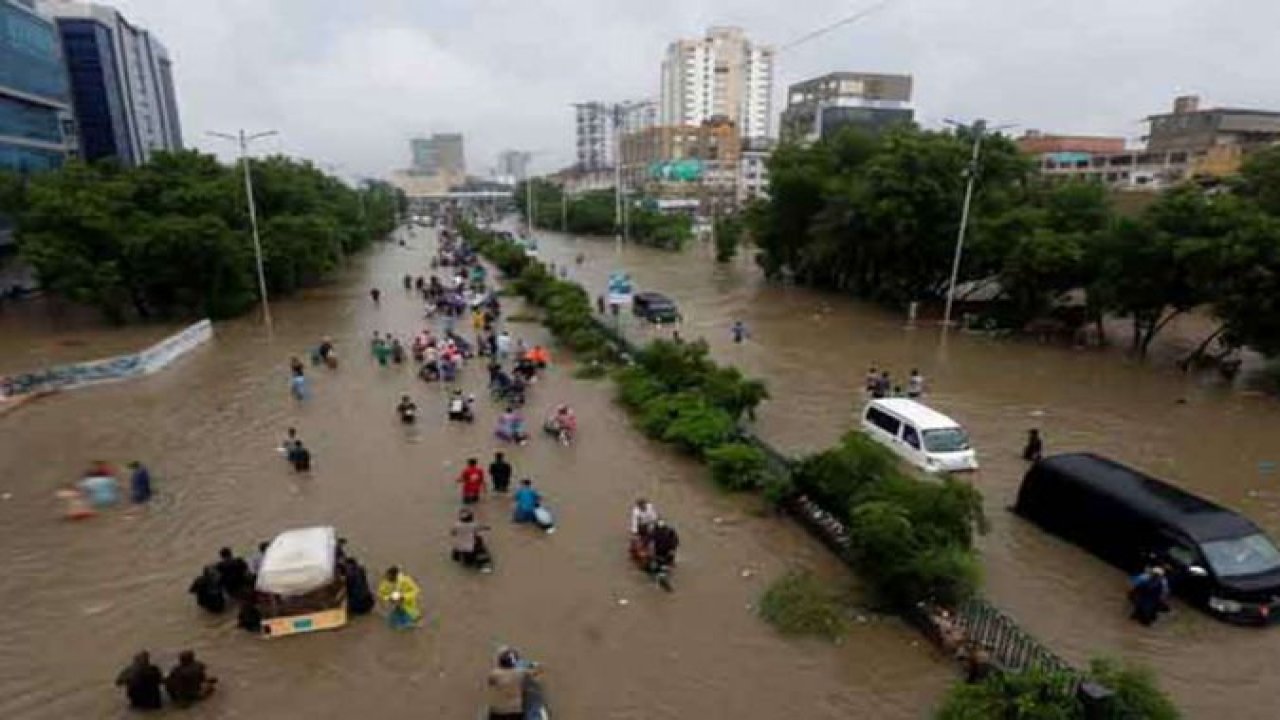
[[687, 170]]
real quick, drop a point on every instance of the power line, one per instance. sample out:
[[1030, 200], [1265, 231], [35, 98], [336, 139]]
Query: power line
[[835, 25]]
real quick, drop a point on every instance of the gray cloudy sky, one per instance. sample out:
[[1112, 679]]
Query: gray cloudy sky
[[347, 82]]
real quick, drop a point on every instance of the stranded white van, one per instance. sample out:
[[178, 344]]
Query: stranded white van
[[919, 434]]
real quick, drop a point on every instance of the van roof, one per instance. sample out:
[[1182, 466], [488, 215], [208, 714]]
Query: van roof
[[1201, 519], [920, 415]]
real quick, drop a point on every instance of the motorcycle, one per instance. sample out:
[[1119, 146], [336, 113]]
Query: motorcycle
[[656, 567]]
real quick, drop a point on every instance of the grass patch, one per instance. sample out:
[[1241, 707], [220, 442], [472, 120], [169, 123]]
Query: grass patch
[[798, 603], [523, 318], [594, 371]]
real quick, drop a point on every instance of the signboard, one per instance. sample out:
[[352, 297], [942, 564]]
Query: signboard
[[619, 288], [687, 170]]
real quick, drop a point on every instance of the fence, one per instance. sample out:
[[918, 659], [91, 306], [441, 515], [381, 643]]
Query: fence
[[93, 372]]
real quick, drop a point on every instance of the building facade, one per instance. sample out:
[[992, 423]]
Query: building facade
[[723, 74], [1194, 130], [681, 162], [595, 136], [36, 128], [512, 165], [126, 106], [1034, 142], [1186, 144], [639, 115], [753, 170], [873, 102], [440, 154]]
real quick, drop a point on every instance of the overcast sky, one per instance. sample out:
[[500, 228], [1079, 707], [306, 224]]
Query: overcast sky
[[348, 82]]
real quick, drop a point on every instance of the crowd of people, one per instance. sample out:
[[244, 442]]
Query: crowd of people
[[879, 383], [439, 354]]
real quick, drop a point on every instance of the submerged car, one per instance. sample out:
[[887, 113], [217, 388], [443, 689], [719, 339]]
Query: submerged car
[[1218, 560], [654, 307]]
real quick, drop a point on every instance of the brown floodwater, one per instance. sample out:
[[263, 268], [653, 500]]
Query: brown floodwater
[[80, 598], [813, 348]]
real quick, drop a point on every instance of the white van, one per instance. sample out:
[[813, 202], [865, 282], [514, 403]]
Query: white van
[[923, 436]]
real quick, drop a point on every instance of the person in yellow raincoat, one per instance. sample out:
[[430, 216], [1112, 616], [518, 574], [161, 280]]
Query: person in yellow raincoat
[[400, 592]]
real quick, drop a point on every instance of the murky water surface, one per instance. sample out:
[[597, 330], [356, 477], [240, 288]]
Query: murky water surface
[[81, 598]]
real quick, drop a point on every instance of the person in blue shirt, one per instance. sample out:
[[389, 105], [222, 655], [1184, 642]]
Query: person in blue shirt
[[139, 483], [527, 501]]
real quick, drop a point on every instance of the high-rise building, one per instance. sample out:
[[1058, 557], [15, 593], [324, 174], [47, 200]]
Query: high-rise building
[[721, 75], [639, 115], [512, 164], [595, 135], [121, 81], [36, 130], [873, 102], [440, 154]]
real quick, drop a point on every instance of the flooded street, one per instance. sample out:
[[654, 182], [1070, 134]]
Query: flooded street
[[814, 349], [81, 598]]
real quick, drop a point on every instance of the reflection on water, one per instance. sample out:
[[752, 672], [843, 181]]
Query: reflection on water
[[814, 348], [80, 599]]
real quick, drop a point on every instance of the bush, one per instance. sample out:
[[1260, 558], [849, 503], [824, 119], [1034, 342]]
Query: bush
[[798, 603], [698, 427], [912, 540], [1136, 693], [1029, 695], [738, 466], [1035, 694]]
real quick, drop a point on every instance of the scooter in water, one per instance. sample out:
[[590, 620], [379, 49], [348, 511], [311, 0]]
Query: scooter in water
[[656, 567]]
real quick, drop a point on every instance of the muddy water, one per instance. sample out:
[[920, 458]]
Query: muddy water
[[80, 598], [813, 348]]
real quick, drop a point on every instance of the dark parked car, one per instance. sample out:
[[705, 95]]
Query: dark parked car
[[1218, 559], [654, 307]]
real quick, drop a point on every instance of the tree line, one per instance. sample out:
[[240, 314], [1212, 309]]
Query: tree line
[[171, 238], [878, 217], [593, 213]]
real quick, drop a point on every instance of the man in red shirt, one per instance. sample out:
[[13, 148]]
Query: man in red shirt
[[472, 482]]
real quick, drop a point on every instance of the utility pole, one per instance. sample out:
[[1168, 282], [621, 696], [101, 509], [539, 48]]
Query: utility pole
[[617, 170], [980, 130], [243, 141]]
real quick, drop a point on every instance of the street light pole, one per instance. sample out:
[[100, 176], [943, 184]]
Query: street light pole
[[243, 141], [980, 130]]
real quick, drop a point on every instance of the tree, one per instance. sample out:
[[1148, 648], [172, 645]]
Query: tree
[[171, 237], [1259, 179]]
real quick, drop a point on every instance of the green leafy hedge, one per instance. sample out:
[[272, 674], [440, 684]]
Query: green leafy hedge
[[911, 539], [1039, 695]]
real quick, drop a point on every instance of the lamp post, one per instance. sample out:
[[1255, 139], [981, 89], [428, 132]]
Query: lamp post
[[980, 129], [243, 141]]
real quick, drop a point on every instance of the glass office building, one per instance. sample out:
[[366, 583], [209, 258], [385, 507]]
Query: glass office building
[[36, 131], [122, 83]]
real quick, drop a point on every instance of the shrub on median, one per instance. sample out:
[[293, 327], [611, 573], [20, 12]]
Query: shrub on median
[[911, 539], [1036, 694], [738, 466]]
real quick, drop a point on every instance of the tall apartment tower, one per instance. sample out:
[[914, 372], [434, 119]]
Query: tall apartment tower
[[121, 81], [595, 135], [722, 74]]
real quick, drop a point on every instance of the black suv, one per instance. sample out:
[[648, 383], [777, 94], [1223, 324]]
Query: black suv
[[654, 307]]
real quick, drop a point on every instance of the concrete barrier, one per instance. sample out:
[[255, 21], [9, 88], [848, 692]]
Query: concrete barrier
[[93, 372]]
